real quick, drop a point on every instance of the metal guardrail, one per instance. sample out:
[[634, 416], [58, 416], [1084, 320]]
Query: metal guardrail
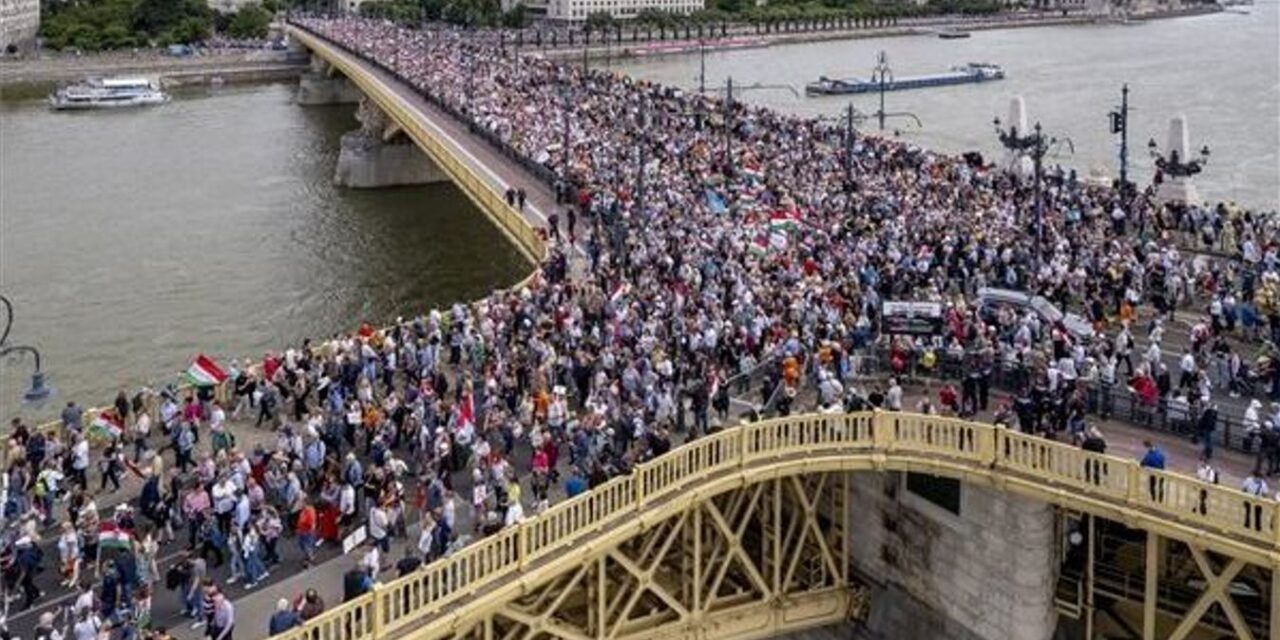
[[1103, 400], [1179, 506]]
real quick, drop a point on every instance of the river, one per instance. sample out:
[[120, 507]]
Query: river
[[131, 240], [1222, 71]]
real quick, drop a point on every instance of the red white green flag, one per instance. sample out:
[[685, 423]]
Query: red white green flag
[[112, 536], [204, 372], [106, 425]]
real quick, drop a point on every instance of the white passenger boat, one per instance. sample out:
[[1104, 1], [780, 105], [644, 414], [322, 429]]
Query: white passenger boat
[[107, 93]]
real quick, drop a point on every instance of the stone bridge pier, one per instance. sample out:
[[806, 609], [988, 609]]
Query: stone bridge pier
[[324, 85], [379, 154]]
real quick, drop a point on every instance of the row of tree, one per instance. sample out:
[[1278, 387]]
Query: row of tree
[[472, 13], [489, 13], [93, 25]]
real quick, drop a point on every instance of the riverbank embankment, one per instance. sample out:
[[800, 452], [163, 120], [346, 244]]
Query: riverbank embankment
[[38, 75]]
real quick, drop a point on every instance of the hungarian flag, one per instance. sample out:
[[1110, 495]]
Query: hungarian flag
[[751, 169], [760, 245], [784, 220], [620, 293], [466, 410], [204, 372], [112, 536], [106, 425]]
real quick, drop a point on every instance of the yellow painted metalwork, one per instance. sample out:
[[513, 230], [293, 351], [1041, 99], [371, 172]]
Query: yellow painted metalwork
[[430, 603]]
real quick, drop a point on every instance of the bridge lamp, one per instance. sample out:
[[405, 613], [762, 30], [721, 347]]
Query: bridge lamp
[[39, 391]]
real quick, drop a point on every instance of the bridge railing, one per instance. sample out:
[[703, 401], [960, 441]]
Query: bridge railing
[[1054, 471]]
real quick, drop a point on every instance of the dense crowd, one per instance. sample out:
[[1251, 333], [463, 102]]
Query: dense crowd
[[719, 241]]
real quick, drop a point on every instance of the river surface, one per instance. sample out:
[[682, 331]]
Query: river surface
[[1222, 71], [131, 240]]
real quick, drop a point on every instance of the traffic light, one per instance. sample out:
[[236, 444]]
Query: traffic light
[[1117, 121]]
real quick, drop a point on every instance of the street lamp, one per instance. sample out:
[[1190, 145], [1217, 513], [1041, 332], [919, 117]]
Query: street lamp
[[1174, 166], [1037, 145], [729, 88], [38, 392]]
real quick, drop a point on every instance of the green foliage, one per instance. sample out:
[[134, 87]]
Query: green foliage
[[472, 13], [251, 21], [398, 10], [92, 25], [517, 17], [657, 18], [599, 20]]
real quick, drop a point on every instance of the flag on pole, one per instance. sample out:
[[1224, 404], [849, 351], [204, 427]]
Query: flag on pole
[[112, 536], [106, 425], [783, 220], [716, 203], [204, 372]]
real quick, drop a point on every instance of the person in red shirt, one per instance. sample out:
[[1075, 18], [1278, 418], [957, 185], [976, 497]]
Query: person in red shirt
[[306, 531], [269, 366], [947, 400]]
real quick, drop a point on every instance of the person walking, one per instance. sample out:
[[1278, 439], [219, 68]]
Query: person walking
[[223, 622]]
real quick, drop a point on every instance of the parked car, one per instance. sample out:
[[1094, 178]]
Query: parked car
[[990, 299]]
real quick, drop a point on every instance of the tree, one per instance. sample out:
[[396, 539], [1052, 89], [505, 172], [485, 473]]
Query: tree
[[117, 36], [190, 30], [251, 21], [173, 20], [599, 21], [517, 17], [655, 18]]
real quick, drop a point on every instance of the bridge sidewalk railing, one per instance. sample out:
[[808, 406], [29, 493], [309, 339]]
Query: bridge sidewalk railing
[[1052, 471], [1114, 401]]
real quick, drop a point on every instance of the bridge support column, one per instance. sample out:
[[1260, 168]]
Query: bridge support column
[[378, 155], [322, 85]]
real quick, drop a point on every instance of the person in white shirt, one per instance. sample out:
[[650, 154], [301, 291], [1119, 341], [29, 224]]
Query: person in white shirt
[[379, 528], [1187, 365], [893, 397], [1254, 485], [1206, 473], [141, 431], [80, 462]]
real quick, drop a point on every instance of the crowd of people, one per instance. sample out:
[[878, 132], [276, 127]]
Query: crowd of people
[[719, 240]]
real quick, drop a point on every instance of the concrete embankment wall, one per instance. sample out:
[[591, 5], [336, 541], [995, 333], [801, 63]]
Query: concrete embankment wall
[[36, 77]]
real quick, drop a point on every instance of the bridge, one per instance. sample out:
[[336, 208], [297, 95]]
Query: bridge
[[797, 523]]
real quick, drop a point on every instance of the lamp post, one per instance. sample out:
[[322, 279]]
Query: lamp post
[[729, 88], [1176, 166], [702, 66], [38, 391], [1172, 165], [882, 75], [1120, 125], [1037, 145]]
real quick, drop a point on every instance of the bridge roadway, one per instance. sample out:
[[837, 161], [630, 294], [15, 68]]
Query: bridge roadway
[[474, 592]]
